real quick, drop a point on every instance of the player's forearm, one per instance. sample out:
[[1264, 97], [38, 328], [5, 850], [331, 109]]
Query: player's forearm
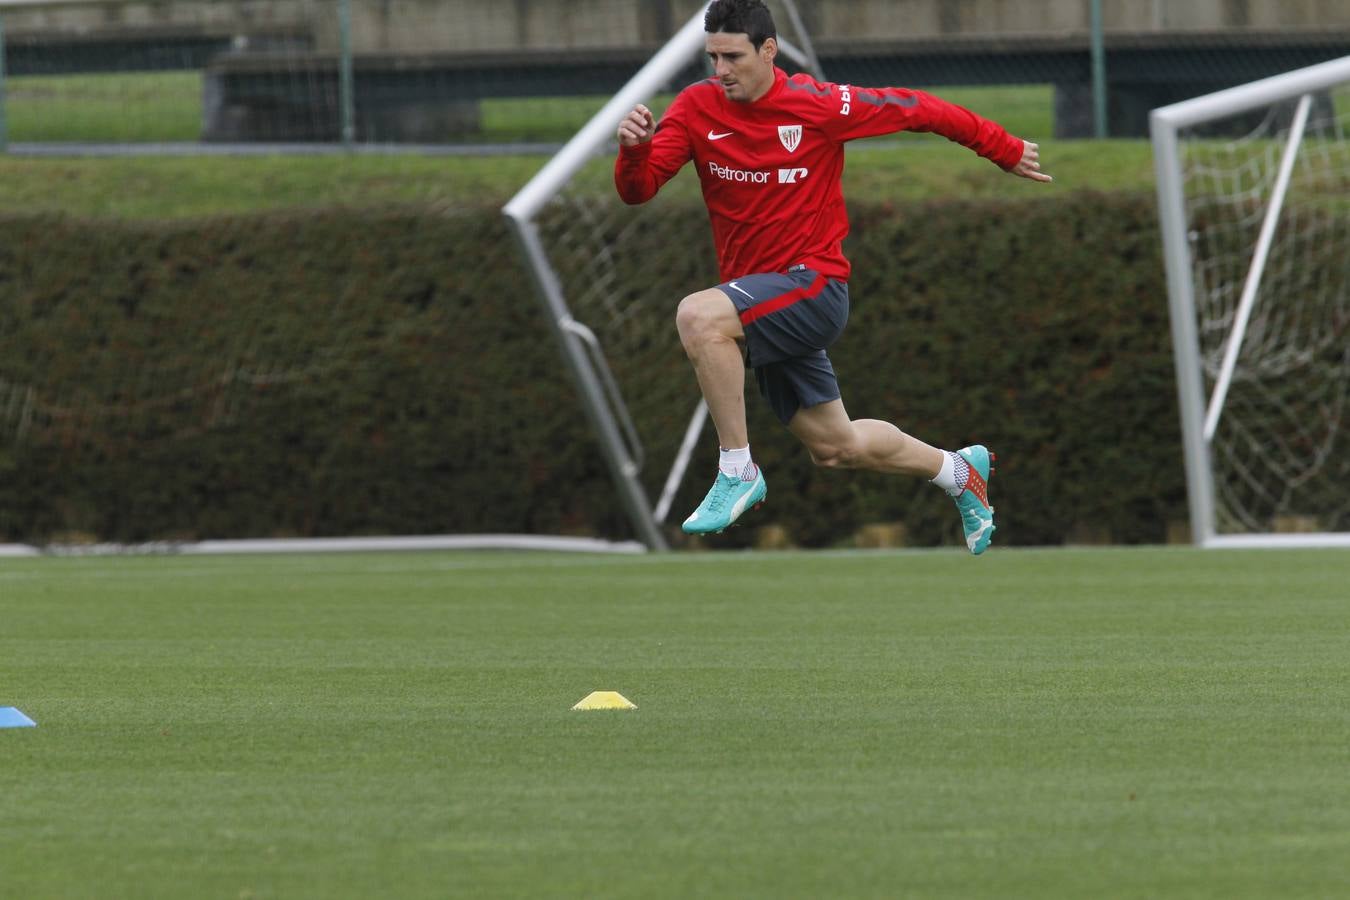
[[995, 144], [877, 111], [633, 175], [985, 137]]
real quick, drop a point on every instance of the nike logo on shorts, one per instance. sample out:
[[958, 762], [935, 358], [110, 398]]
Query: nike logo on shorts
[[736, 287]]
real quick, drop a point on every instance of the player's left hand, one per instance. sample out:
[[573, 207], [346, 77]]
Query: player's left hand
[[1030, 165]]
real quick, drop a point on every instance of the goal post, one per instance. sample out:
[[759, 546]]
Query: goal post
[[583, 350], [1254, 204]]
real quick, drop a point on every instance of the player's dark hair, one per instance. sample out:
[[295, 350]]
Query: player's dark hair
[[749, 17]]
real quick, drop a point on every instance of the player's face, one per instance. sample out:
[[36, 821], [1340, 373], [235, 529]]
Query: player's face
[[746, 73]]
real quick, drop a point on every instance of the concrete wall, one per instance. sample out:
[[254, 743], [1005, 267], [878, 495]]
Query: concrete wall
[[413, 26], [88, 17], [901, 18]]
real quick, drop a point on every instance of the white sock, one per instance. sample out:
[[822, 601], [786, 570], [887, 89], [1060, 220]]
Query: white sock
[[953, 475], [737, 464]]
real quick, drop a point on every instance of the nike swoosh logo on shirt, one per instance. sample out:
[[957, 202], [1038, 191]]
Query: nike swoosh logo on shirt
[[714, 136]]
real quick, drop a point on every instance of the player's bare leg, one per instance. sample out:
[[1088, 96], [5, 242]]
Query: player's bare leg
[[709, 329], [836, 441]]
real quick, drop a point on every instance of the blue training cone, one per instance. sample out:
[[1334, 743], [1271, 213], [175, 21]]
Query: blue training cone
[[10, 717]]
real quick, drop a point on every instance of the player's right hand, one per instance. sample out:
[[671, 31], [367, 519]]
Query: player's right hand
[[637, 127]]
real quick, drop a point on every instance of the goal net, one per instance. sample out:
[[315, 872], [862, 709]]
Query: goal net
[[1254, 200]]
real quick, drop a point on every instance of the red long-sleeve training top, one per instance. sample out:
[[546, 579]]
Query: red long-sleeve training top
[[770, 169]]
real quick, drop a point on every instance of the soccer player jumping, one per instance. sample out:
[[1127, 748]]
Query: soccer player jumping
[[769, 149]]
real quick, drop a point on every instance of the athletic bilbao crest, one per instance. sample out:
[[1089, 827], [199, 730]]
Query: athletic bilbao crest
[[790, 135]]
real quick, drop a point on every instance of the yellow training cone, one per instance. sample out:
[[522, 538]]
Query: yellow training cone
[[605, 700]]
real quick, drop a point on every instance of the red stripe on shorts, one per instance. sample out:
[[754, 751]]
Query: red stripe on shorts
[[782, 301]]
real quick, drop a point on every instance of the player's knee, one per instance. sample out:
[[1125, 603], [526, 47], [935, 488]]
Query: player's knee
[[693, 317], [696, 319]]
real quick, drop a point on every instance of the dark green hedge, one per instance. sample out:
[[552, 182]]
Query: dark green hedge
[[359, 372]]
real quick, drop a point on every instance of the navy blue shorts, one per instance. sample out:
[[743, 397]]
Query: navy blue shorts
[[789, 319]]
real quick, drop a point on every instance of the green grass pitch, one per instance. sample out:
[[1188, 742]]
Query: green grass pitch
[[1059, 723]]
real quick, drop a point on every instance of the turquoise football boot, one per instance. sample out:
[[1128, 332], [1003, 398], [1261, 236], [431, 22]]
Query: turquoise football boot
[[977, 516], [730, 496]]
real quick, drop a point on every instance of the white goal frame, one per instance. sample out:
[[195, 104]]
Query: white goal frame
[[1200, 416], [601, 396]]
